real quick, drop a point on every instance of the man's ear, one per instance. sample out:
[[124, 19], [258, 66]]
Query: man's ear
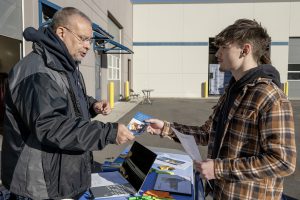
[[247, 48], [60, 32]]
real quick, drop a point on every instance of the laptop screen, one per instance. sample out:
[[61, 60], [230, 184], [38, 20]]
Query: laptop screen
[[137, 165]]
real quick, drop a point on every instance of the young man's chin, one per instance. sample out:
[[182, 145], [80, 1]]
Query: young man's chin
[[221, 69]]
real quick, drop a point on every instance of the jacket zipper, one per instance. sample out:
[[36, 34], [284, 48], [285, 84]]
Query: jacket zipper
[[73, 98]]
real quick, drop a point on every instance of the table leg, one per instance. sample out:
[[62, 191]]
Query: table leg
[[149, 100]]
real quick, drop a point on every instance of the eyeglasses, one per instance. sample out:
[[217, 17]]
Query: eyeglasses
[[80, 38]]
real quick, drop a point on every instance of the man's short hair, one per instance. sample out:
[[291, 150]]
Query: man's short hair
[[62, 17], [244, 31]]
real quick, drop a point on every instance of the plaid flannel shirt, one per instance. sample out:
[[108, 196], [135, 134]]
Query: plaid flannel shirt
[[258, 145]]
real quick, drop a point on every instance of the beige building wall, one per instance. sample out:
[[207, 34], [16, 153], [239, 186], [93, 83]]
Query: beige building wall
[[179, 71], [11, 19], [98, 12]]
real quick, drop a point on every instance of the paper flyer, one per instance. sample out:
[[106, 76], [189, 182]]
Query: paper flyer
[[189, 144], [137, 125]]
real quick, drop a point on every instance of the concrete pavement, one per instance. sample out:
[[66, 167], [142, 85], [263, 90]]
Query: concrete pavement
[[120, 109]]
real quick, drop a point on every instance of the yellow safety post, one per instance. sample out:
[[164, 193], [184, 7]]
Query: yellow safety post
[[286, 88], [112, 94], [126, 90], [205, 89]]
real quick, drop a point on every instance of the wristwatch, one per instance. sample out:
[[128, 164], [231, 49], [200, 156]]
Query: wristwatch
[[166, 129]]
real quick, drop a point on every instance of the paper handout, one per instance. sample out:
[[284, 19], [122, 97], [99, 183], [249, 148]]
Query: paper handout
[[137, 124], [167, 159], [173, 183], [189, 144]]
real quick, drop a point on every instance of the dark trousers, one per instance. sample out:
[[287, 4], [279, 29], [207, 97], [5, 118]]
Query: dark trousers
[[13, 196]]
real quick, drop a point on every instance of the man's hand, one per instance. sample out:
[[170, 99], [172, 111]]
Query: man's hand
[[155, 126], [102, 107], [206, 168], [123, 135]]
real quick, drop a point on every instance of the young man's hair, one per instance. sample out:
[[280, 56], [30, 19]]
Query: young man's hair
[[63, 17], [247, 31]]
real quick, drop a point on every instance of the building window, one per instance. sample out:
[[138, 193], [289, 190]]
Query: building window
[[114, 60], [113, 66], [218, 80], [46, 12], [294, 59], [294, 72]]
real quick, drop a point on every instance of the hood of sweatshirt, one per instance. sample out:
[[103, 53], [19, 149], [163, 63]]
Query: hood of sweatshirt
[[262, 71], [47, 39]]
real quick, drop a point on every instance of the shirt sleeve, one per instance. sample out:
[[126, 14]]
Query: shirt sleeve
[[47, 115], [91, 102], [200, 133]]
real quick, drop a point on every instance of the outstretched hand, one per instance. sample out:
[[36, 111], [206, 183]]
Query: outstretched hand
[[155, 126], [123, 135]]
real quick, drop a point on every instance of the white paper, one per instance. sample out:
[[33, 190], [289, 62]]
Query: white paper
[[107, 178], [189, 144], [166, 159], [173, 183]]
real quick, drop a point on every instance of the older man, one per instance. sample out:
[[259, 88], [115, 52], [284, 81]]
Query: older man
[[48, 135]]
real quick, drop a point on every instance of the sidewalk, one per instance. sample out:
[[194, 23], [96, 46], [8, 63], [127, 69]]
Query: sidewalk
[[120, 109]]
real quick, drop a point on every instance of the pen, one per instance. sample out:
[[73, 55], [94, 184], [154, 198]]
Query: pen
[[209, 184], [148, 123]]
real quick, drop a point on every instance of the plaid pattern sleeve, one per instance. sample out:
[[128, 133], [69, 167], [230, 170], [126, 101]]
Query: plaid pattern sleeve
[[200, 133]]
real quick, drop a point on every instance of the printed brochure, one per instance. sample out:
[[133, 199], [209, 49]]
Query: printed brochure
[[137, 124]]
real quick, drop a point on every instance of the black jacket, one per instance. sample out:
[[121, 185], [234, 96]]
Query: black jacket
[[48, 134]]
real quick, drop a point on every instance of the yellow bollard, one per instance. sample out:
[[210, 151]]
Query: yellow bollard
[[205, 89], [126, 90], [286, 88], [111, 94]]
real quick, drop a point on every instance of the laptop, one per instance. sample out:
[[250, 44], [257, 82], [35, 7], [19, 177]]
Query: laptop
[[129, 180]]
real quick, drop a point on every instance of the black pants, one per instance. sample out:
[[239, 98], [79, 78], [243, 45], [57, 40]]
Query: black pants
[[18, 197], [13, 196]]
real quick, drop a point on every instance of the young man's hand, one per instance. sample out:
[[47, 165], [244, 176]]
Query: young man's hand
[[102, 107], [155, 126], [206, 168], [123, 135]]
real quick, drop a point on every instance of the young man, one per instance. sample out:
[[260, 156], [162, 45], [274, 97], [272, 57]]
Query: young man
[[48, 134], [250, 134]]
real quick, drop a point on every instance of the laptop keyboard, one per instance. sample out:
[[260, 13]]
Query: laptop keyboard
[[116, 189]]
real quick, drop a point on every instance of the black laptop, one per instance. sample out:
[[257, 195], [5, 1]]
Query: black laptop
[[129, 179]]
